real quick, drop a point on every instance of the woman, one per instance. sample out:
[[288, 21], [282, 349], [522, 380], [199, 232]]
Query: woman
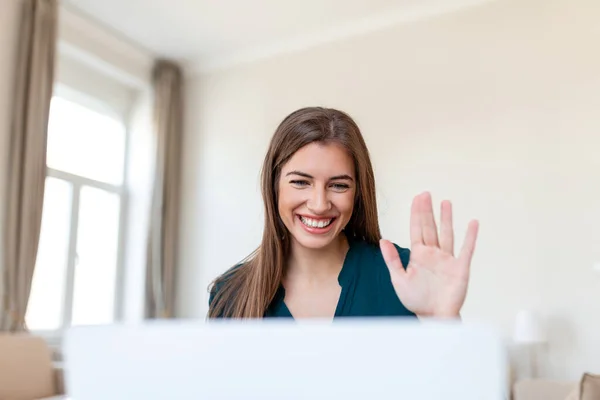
[[322, 255]]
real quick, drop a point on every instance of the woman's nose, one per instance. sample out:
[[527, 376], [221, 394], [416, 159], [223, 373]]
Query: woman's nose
[[319, 201]]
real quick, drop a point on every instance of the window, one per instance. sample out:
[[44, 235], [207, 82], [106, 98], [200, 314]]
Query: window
[[77, 276]]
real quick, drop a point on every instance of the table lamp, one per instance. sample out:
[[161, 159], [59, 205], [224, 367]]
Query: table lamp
[[529, 332]]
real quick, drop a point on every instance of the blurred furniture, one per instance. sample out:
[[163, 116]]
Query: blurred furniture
[[586, 388], [26, 369], [543, 389]]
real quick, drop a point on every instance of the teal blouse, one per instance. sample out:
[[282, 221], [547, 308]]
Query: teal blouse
[[367, 289]]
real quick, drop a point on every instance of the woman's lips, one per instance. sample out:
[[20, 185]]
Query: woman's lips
[[316, 226]]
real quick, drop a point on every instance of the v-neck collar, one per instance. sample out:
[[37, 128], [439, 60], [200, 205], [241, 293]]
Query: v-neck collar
[[278, 308]]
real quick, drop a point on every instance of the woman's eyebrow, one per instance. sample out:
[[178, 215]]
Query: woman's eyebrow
[[333, 178], [299, 173], [341, 177]]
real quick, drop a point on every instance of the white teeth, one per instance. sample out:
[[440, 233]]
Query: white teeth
[[313, 223]]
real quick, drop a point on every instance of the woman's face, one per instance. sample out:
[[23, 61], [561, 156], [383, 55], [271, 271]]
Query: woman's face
[[316, 194]]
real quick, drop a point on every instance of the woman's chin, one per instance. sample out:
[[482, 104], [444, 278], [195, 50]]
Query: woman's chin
[[315, 242]]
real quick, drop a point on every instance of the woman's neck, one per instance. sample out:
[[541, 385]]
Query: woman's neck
[[317, 264]]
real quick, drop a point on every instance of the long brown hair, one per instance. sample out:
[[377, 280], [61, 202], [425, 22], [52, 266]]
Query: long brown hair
[[247, 290]]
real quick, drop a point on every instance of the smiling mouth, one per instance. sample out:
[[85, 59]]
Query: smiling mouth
[[316, 223]]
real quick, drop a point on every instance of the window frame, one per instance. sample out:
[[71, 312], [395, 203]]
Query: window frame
[[54, 337]]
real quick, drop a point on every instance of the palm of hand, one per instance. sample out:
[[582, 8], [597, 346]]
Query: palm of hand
[[435, 281]]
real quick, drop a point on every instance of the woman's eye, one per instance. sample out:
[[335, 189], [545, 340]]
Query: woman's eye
[[340, 186], [299, 183]]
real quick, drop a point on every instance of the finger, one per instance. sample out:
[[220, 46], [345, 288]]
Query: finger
[[416, 231], [468, 248], [446, 229], [392, 260], [430, 236]]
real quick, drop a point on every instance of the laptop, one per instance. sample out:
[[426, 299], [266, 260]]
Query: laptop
[[275, 359]]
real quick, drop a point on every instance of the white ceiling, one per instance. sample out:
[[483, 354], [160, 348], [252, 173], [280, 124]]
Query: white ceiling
[[211, 33]]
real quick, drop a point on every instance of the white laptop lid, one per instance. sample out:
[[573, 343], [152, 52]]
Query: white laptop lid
[[353, 359]]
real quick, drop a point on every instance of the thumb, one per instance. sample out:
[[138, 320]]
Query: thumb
[[393, 262]]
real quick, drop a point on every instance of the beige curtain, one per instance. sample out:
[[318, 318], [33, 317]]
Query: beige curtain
[[27, 159], [162, 242]]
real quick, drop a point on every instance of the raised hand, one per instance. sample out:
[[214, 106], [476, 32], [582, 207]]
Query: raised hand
[[435, 282]]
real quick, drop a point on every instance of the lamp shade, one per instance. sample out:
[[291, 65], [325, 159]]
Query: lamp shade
[[528, 328]]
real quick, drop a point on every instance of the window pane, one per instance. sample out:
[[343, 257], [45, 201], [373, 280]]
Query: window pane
[[97, 248], [84, 142], [45, 308]]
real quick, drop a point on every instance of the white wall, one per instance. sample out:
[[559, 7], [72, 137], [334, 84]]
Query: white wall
[[495, 108], [8, 52]]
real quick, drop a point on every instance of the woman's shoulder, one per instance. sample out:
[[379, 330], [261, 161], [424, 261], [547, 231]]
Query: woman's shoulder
[[221, 280]]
